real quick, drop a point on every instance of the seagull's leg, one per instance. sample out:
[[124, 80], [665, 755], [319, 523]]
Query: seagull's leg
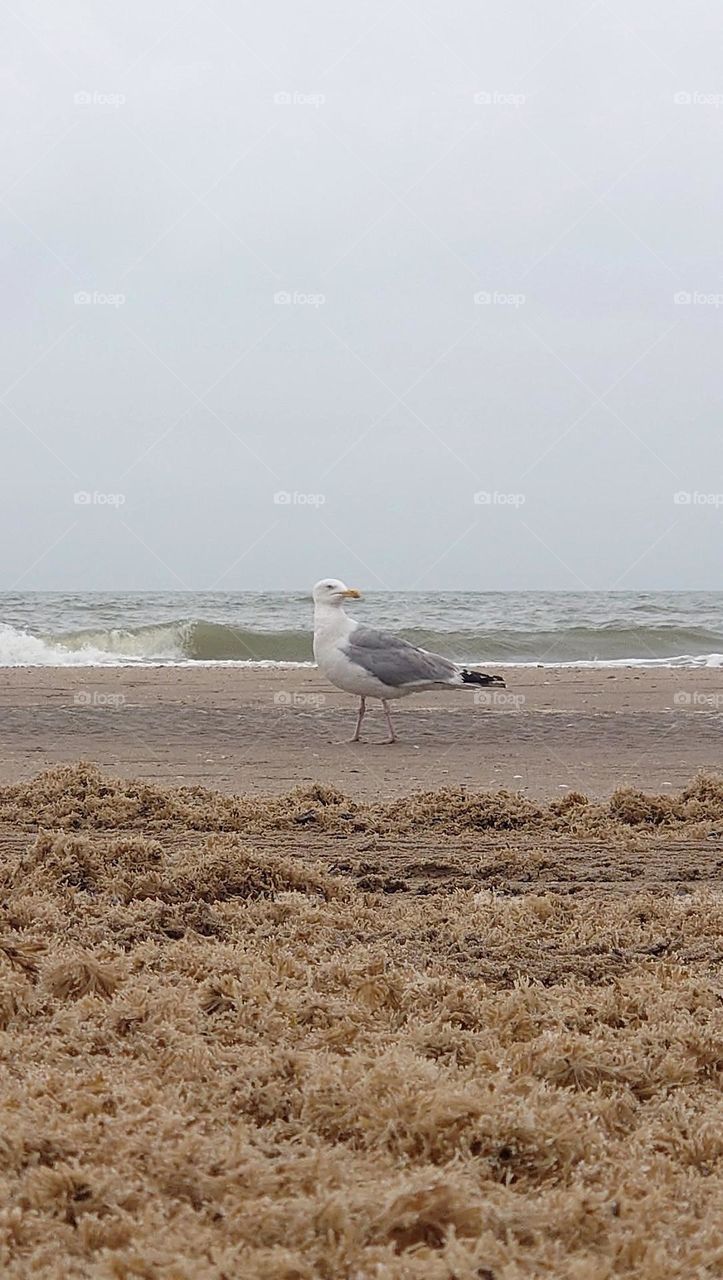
[[360, 717], [392, 735]]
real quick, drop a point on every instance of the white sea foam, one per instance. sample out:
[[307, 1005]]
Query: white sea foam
[[19, 648]]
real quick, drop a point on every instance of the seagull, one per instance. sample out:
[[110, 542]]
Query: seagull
[[375, 664]]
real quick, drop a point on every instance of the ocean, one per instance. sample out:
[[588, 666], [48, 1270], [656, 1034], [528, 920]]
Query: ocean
[[265, 628]]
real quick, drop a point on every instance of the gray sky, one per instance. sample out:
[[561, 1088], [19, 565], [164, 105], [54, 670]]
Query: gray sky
[[376, 258]]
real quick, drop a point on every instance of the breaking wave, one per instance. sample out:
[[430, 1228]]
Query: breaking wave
[[198, 640]]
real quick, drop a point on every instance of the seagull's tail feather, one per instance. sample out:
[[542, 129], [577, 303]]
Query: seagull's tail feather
[[479, 677]]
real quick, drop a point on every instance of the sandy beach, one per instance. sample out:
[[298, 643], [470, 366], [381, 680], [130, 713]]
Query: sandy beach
[[281, 1007], [450, 1035], [266, 730]]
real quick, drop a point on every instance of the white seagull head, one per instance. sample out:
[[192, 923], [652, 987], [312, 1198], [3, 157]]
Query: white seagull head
[[333, 591]]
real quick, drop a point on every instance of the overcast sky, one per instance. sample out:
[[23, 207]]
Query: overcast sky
[[377, 259]]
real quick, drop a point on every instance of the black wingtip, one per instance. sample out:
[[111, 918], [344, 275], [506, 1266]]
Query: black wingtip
[[480, 677]]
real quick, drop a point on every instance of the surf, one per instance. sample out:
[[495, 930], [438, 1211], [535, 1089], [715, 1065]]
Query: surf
[[183, 641]]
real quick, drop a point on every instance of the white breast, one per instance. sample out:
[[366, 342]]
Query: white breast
[[332, 628]]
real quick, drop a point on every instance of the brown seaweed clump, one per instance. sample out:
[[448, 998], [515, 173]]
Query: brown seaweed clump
[[81, 797]]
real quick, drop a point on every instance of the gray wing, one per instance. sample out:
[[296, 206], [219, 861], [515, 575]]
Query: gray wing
[[395, 662]]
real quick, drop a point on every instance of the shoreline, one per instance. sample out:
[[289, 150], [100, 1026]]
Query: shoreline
[[267, 730], [679, 662]]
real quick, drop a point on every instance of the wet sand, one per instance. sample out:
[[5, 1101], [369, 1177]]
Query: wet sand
[[256, 730]]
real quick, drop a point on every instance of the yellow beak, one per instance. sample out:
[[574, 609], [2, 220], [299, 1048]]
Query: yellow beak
[[352, 593]]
